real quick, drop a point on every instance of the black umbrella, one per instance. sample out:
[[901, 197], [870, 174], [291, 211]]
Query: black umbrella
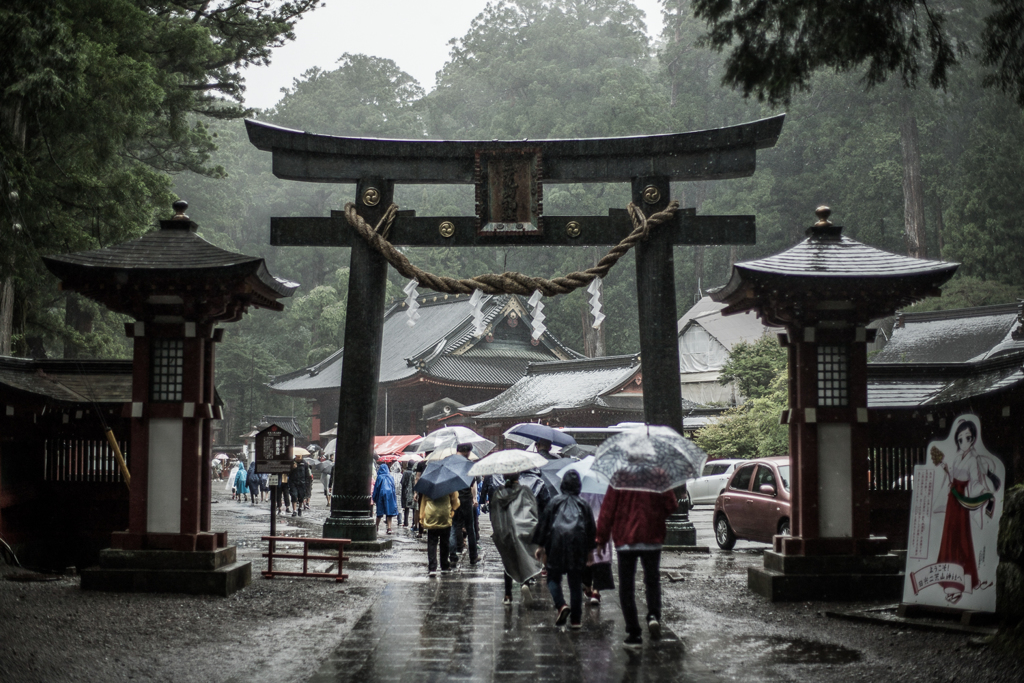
[[444, 476]]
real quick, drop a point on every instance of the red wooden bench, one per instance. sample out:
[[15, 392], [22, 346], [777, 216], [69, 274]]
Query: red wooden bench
[[338, 543]]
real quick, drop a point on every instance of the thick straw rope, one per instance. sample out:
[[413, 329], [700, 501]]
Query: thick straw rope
[[508, 282]]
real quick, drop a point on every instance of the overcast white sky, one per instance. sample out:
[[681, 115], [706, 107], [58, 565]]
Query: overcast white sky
[[413, 33]]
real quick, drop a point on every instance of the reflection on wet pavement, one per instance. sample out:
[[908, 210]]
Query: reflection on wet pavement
[[454, 628]]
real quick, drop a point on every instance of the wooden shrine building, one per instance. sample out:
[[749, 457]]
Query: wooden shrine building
[[437, 358]]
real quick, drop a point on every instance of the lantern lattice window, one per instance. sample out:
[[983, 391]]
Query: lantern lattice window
[[833, 376], [167, 368]]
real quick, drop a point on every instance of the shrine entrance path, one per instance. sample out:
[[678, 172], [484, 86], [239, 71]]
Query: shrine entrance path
[[454, 628]]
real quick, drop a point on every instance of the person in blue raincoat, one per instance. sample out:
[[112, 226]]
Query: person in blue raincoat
[[384, 496], [240, 488], [252, 482]]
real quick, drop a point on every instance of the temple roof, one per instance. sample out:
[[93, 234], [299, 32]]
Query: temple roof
[[441, 347], [609, 384], [69, 381], [829, 272], [954, 336], [911, 385], [141, 276], [575, 384]]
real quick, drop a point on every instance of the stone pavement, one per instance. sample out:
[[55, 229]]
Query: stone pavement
[[454, 627]]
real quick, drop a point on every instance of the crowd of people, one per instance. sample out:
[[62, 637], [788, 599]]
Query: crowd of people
[[542, 536], [294, 491]]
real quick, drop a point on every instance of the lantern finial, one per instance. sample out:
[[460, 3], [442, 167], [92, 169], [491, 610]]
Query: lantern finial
[[823, 230], [179, 210]]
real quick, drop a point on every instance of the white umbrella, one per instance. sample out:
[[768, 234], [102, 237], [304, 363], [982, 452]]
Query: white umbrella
[[511, 461], [331, 447], [299, 450], [447, 451], [592, 481], [220, 456], [410, 457]]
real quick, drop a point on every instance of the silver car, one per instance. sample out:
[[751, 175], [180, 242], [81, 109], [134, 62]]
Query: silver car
[[704, 489]]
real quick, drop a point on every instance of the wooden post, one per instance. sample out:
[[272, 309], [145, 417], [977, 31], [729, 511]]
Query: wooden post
[[659, 341], [360, 371]]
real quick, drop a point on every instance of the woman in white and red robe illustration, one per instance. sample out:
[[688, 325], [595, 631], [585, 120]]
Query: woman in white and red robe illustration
[[972, 486]]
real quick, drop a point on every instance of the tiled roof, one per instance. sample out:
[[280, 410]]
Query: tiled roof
[[171, 251], [953, 336], [70, 381], [908, 385], [559, 385], [830, 267], [470, 370], [842, 258], [729, 330], [441, 344]]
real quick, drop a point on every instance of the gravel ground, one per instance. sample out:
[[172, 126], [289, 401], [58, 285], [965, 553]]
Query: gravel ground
[[281, 630], [276, 630]]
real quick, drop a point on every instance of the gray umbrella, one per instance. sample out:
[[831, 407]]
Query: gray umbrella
[[648, 458]]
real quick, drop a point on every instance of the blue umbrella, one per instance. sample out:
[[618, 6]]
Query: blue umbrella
[[444, 476], [528, 432]]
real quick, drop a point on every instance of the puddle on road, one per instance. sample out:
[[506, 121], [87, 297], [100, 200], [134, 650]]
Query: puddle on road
[[780, 650]]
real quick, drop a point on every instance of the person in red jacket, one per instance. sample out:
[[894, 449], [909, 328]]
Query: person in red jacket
[[635, 522]]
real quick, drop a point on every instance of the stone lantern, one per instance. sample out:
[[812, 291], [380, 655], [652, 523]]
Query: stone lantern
[[824, 292], [177, 287]]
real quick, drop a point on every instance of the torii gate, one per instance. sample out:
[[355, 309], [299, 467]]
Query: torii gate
[[509, 178]]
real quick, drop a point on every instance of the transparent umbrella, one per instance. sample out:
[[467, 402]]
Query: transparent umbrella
[[512, 461], [648, 458], [450, 437]]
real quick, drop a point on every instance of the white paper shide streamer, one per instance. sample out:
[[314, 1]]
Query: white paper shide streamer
[[412, 305], [477, 301], [595, 302], [537, 315]]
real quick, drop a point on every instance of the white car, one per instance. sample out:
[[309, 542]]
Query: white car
[[704, 489]]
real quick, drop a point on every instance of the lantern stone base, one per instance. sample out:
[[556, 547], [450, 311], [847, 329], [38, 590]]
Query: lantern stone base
[[786, 578], [198, 572], [359, 529]]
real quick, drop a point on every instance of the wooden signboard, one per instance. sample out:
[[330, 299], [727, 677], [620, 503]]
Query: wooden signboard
[[274, 451]]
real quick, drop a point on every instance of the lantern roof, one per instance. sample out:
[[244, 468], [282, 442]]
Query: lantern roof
[[172, 274], [830, 275]]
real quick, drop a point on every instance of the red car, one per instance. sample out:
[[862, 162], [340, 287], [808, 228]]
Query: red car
[[755, 504]]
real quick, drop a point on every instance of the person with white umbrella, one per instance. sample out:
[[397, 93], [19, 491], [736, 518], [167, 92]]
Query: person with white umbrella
[[514, 515]]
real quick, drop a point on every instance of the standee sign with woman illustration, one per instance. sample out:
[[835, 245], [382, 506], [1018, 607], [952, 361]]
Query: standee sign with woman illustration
[[954, 522]]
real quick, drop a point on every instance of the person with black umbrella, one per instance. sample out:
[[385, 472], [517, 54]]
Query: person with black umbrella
[[438, 488], [464, 519]]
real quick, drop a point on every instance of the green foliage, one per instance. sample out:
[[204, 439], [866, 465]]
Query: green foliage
[[100, 100], [755, 366], [776, 46], [751, 430]]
